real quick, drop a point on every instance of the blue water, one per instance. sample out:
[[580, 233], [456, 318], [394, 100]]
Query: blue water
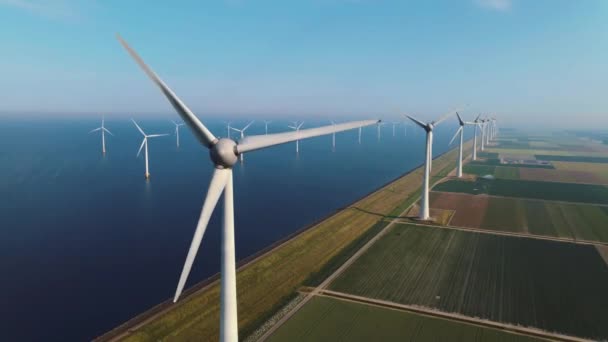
[[86, 243]]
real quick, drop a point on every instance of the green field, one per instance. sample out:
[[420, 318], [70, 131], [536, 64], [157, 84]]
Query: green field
[[496, 162], [505, 172], [578, 159], [569, 192], [545, 284], [329, 319], [538, 217]]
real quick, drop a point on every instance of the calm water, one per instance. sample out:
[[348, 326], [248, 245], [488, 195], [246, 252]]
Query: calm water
[[86, 243]]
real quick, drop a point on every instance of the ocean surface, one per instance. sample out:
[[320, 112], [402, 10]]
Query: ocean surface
[[87, 243]]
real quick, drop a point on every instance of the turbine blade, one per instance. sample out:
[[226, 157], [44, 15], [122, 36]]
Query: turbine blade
[[455, 135], [157, 135], [300, 125], [444, 116], [256, 142], [139, 128], [140, 147], [216, 187], [292, 127], [249, 124], [95, 130], [200, 131], [417, 122], [460, 119], [107, 130], [236, 129]]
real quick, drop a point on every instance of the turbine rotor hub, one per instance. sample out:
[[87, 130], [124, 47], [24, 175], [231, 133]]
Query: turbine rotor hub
[[223, 153]]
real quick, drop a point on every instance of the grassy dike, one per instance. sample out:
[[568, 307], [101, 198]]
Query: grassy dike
[[266, 282]]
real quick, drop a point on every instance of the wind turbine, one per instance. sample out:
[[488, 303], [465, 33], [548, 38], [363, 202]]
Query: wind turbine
[[482, 127], [296, 128], [359, 135], [428, 127], [333, 138], [476, 124], [228, 128], [224, 154], [266, 125], [103, 130], [177, 130], [145, 142], [394, 124], [460, 131], [242, 131], [380, 123]]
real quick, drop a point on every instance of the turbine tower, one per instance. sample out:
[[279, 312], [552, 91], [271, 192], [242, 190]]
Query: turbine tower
[[428, 127], [296, 128], [242, 131], [177, 130], [359, 135], [145, 142], [224, 154], [475, 124], [103, 130], [333, 138], [266, 125], [395, 123]]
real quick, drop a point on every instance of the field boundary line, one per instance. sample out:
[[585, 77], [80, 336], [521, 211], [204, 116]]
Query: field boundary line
[[505, 233], [425, 311], [526, 198]]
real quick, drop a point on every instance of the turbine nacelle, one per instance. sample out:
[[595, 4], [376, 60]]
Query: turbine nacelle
[[223, 153]]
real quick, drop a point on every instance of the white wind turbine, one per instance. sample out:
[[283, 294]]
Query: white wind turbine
[[460, 131], [380, 123], [476, 124], [242, 131], [395, 123], [296, 127], [266, 125], [145, 142], [333, 138], [224, 154], [359, 135], [103, 130], [177, 130], [428, 127]]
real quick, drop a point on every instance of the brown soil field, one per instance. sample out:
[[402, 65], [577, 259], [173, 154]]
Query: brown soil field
[[439, 216], [469, 209], [557, 175]]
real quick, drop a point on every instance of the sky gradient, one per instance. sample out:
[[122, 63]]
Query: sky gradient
[[539, 60]]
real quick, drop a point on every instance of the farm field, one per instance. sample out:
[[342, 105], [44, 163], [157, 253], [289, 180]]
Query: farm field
[[496, 162], [506, 172], [563, 175], [564, 152], [546, 218], [567, 157], [330, 319], [495, 277], [569, 192]]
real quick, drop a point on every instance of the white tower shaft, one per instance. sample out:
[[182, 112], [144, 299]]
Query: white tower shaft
[[460, 154], [147, 175], [229, 330], [424, 202]]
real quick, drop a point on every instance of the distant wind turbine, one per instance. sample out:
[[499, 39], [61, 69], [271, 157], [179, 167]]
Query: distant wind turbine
[[103, 130], [333, 138], [428, 127], [224, 154], [266, 125], [476, 124], [145, 142], [177, 130], [296, 128], [242, 131], [460, 131]]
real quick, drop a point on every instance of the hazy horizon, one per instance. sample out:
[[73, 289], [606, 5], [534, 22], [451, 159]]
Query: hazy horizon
[[541, 61]]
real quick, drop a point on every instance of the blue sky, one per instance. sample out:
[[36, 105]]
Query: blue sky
[[522, 59]]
